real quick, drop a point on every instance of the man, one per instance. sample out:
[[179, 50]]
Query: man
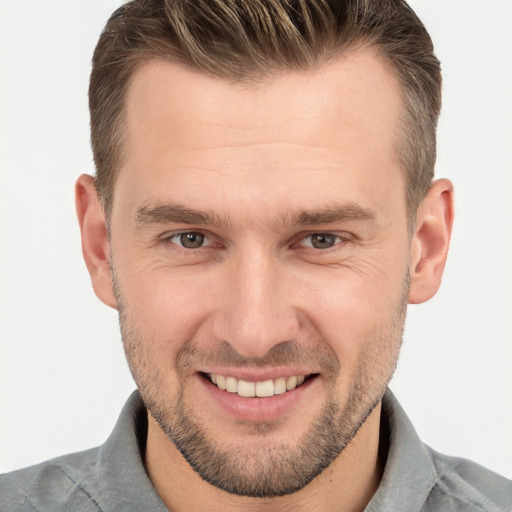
[[262, 213]]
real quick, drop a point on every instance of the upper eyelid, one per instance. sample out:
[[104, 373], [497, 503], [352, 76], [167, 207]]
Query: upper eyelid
[[343, 235], [172, 234]]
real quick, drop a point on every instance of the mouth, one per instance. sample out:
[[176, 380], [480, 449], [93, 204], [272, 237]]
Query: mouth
[[251, 398], [262, 389]]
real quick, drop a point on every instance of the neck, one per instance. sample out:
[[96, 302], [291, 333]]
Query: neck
[[347, 485]]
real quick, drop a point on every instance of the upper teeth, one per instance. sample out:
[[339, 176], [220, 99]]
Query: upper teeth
[[261, 389]]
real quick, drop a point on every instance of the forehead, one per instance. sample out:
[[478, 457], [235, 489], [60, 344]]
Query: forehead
[[186, 129], [357, 91]]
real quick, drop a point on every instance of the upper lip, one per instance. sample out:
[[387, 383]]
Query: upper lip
[[258, 375]]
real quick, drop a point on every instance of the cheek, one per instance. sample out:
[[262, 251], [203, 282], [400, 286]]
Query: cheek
[[159, 317], [167, 307], [353, 309]]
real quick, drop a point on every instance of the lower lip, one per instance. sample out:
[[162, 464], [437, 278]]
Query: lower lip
[[258, 409]]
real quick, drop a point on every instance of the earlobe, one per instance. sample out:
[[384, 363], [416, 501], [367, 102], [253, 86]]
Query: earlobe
[[430, 242], [95, 243]]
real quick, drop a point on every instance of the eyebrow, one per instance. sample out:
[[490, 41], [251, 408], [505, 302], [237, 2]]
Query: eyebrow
[[174, 213], [335, 213]]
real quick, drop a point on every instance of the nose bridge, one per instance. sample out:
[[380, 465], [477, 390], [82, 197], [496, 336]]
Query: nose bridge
[[255, 316]]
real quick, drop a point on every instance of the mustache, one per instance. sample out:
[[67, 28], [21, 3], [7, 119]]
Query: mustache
[[287, 353]]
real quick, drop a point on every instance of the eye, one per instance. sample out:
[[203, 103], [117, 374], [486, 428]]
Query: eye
[[321, 240], [190, 240]]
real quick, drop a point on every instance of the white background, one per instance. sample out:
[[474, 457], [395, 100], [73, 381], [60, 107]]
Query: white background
[[63, 377]]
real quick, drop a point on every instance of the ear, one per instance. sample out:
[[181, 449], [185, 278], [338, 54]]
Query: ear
[[95, 243], [430, 242]]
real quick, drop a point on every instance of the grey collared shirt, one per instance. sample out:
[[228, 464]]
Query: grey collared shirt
[[112, 478]]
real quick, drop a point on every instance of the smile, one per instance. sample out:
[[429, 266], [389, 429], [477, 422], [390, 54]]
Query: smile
[[264, 388]]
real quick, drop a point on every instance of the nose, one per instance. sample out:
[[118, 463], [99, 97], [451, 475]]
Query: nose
[[256, 312]]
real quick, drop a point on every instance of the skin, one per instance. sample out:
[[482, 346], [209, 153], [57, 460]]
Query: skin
[[272, 164]]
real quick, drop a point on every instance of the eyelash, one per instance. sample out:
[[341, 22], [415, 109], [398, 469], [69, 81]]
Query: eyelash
[[176, 236], [338, 239]]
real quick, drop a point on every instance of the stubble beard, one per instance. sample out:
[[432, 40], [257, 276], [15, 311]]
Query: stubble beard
[[257, 467]]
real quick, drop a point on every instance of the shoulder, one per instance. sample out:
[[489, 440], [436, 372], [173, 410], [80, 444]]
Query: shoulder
[[55, 485], [465, 485]]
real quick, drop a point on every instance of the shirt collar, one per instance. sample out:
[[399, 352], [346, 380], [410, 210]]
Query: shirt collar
[[122, 476], [409, 473]]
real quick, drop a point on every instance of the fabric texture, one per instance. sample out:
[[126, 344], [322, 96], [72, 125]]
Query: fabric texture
[[112, 478]]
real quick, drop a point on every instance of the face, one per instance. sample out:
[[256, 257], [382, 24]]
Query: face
[[259, 243]]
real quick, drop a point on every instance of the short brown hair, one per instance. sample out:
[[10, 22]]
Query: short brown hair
[[242, 40]]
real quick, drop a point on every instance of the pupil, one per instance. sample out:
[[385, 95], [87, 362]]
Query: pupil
[[192, 240], [322, 241]]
